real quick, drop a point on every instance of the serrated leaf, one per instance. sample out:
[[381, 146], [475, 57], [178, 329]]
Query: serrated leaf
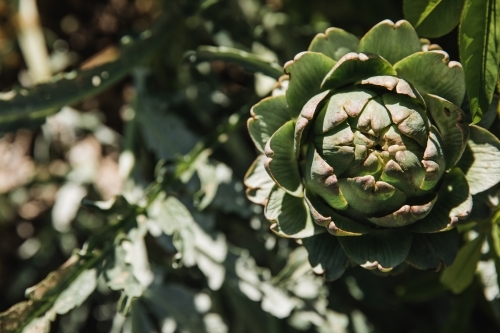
[[479, 37], [433, 18], [119, 274], [30, 106], [211, 251], [77, 292], [460, 274], [62, 290], [211, 175], [170, 214], [249, 61], [194, 244]]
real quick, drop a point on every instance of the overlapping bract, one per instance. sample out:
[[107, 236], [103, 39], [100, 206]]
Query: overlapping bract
[[364, 139]]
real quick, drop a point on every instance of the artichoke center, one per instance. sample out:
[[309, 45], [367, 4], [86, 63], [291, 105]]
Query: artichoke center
[[377, 145]]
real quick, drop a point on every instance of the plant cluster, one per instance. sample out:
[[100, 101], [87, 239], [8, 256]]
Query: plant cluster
[[126, 163]]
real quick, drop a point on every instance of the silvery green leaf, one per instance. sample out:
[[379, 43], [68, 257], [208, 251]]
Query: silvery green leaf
[[169, 213], [77, 292], [39, 325], [119, 275], [211, 175]]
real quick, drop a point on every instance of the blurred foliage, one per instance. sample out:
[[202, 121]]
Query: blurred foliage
[[125, 211]]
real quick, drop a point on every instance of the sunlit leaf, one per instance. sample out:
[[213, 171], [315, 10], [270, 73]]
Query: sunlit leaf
[[77, 292], [479, 37], [169, 213], [433, 18]]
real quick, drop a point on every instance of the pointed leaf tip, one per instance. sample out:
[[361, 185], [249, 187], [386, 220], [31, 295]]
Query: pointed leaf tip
[[354, 67], [391, 41], [306, 72], [334, 43]]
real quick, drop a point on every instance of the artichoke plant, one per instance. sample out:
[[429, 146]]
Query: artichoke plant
[[366, 154]]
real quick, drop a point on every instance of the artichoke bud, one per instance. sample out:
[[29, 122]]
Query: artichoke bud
[[363, 139], [379, 144]]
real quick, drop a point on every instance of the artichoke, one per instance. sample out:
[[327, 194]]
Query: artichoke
[[366, 154]]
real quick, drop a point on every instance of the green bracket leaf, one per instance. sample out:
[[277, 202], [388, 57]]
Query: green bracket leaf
[[479, 37], [392, 41], [249, 61], [433, 250], [334, 43], [382, 249], [282, 163], [326, 255], [290, 215]]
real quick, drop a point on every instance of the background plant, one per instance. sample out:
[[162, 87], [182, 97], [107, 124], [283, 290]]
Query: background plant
[[122, 104]]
